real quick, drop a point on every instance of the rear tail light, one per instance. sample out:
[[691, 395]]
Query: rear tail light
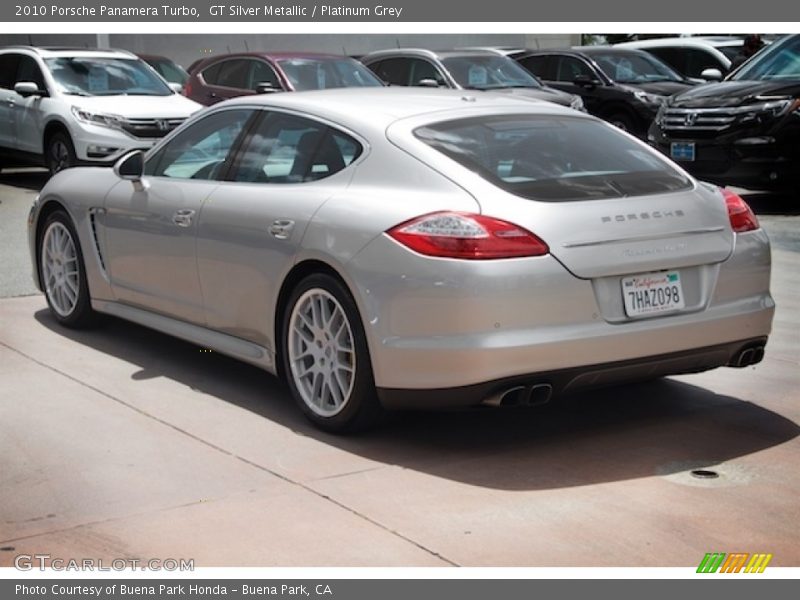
[[467, 236], [740, 214], [187, 89]]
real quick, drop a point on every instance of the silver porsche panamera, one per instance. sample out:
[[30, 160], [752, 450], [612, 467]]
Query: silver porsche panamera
[[406, 247]]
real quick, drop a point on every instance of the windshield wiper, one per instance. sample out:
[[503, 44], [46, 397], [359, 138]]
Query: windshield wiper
[[71, 93]]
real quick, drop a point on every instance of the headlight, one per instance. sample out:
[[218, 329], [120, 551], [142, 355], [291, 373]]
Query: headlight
[[649, 98], [659, 120], [774, 108], [577, 104], [113, 121]]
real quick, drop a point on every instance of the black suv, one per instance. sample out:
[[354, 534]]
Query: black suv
[[624, 87], [742, 131]]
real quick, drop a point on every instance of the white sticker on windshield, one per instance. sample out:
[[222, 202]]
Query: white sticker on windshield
[[478, 75]]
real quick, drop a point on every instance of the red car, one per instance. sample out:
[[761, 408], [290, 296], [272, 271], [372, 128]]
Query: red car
[[218, 78]]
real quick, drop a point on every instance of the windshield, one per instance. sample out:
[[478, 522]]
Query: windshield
[[488, 72], [634, 67], [314, 74], [780, 61], [88, 76], [169, 70], [553, 159]]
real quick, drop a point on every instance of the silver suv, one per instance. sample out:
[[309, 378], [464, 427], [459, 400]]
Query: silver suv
[[65, 106]]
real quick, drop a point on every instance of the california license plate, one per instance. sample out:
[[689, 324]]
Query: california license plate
[[682, 151], [652, 293]]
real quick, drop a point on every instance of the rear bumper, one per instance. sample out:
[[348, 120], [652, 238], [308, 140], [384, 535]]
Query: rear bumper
[[537, 388]]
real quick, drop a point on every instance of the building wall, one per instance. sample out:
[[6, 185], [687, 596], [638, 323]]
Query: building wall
[[186, 48]]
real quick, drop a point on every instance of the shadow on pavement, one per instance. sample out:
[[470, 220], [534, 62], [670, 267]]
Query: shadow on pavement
[[772, 203], [603, 436], [28, 178]]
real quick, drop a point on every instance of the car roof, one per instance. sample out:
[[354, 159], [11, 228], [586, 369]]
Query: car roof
[[68, 51], [381, 106], [688, 42], [437, 54]]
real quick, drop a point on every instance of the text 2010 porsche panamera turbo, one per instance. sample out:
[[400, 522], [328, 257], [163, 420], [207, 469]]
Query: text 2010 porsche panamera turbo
[[411, 248]]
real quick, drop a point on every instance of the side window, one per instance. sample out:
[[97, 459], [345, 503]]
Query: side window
[[393, 70], [211, 74], [422, 69], [262, 73], [570, 67], [674, 57], [537, 65], [289, 149], [700, 60], [28, 70], [235, 74], [200, 151], [8, 70]]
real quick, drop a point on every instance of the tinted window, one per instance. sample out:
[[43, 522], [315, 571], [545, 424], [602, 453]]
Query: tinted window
[[570, 67], [699, 60], [675, 57], [169, 70], [234, 74], [90, 76], [553, 158], [28, 70], [423, 69], [320, 74], [263, 73], [488, 72], [8, 70], [393, 70], [211, 73], [200, 151], [289, 149], [537, 65]]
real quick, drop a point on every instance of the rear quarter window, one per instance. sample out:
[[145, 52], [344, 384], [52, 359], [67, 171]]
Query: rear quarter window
[[554, 158]]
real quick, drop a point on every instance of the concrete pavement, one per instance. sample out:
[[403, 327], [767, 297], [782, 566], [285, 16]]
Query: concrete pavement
[[122, 442]]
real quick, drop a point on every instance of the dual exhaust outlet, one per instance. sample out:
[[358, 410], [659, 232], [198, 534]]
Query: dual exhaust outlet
[[747, 357], [521, 395]]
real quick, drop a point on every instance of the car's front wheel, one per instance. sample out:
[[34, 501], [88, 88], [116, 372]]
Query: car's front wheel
[[326, 359], [60, 152], [63, 274]]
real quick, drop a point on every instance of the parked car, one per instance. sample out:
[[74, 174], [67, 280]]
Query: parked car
[[484, 70], [708, 58], [230, 75], [744, 130], [624, 87], [172, 72], [394, 247], [64, 106]]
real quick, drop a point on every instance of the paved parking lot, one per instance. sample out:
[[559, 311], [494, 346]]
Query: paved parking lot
[[121, 442]]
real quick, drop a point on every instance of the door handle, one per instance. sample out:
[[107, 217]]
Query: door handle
[[281, 229], [183, 218]]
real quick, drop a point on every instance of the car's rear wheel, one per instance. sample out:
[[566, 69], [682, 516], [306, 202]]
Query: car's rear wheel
[[63, 273], [622, 120], [60, 152], [326, 359]]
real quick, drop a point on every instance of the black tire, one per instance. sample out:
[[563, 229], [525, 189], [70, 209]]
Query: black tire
[[80, 315], [360, 408], [622, 120], [59, 152]]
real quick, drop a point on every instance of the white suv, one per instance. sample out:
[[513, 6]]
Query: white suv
[[67, 106]]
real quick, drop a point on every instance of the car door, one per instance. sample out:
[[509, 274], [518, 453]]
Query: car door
[[150, 230], [8, 98], [226, 79], [27, 113], [574, 75], [252, 225], [421, 69]]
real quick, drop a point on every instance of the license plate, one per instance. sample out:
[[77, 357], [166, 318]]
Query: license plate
[[652, 293], [682, 151]]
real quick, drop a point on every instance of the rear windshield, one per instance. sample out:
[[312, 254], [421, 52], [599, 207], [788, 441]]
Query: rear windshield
[[553, 158]]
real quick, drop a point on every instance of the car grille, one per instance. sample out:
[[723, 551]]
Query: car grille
[[698, 119], [150, 128]]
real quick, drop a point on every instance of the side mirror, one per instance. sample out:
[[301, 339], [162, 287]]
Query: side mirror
[[427, 82], [28, 88], [711, 74], [586, 81], [265, 87], [175, 87], [131, 167]]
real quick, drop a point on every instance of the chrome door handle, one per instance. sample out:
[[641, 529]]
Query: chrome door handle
[[183, 218], [281, 229]]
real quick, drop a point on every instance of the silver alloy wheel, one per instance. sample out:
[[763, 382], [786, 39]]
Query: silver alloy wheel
[[322, 353], [60, 269]]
